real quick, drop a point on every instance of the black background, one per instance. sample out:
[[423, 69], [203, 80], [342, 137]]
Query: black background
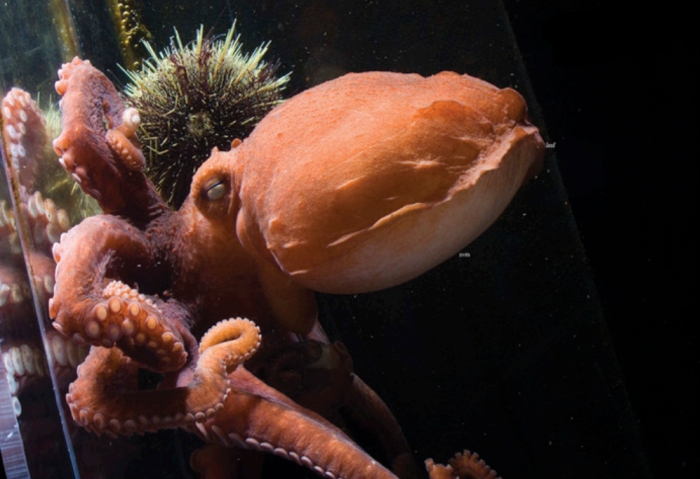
[[618, 88]]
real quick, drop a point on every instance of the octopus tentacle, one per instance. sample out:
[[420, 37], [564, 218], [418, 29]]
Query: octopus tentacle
[[366, 407], [98, 144], [258, 417], [61, 352], [123, 142], [464, 465], [222, 349], [90, 311], [105, 397]]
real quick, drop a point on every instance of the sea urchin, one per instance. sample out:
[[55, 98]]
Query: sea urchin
[[195, 97]]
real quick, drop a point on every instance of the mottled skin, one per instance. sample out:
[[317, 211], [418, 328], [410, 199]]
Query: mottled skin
[[340, 189]]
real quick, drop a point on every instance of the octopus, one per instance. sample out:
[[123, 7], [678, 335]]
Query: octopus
[[355, 185]]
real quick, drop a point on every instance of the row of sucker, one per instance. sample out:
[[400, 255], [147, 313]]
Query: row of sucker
[[62, 143], [105, 397], [464, 465], [120, 140], [24, 363], [127, 314], [236, 440], [13, 288], [48, 220]]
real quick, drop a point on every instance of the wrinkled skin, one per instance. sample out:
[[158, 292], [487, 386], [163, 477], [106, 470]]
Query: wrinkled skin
[[326, 186]]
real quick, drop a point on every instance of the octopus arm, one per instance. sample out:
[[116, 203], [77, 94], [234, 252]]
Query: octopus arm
[[98, 145], [92, 307], [294, 306], [369, 410], [464, 465], [105, 398], [258, 417]]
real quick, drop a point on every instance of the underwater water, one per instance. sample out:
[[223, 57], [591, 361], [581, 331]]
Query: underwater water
[[501, 349]]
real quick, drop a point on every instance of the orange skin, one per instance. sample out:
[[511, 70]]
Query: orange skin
[[341, 189]]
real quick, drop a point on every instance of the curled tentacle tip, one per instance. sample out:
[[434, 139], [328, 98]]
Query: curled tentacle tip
[[230, 330], [438, 471], [131, 121], [464, 465]]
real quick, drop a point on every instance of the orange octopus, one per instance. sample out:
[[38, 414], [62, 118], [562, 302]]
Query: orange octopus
[[355, 185]]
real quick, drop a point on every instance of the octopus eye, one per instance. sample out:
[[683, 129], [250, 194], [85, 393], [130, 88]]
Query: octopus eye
[[215, 189]]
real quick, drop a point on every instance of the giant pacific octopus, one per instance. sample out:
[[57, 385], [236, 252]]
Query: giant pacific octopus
[[355, 185]]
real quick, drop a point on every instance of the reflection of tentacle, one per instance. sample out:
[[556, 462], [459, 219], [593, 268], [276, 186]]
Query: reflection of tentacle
[[465, 465], [42, 268], [24, 133], [13, 287], [24, 360], [24, 366], [105, 397], [99, 148], [63, 352], [90, 311], [47, 222], [9, 239]]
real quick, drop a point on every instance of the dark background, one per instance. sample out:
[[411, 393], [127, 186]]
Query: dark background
[[617, 87]]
